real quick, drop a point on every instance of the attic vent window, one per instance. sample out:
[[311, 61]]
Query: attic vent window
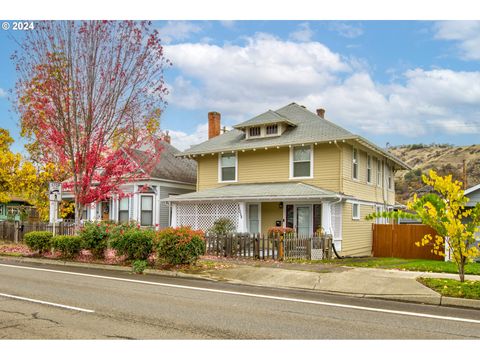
[[272, 129], [254, 131]]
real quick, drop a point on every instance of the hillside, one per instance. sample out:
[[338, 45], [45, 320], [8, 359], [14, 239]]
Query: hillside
[[443, 158]]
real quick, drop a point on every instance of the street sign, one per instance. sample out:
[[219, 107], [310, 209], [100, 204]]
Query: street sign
[[55, 191]]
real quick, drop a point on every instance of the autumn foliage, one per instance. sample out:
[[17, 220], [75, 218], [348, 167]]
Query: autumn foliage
[[88, 93]]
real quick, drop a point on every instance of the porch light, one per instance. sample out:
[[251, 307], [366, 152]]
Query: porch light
[[280, 205]]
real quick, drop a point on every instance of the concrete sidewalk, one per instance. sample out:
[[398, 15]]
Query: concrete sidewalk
[[360, 282], [352, 281]]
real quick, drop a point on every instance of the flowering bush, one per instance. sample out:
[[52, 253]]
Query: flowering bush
[[95, 237], [38, 240], [180, 245]]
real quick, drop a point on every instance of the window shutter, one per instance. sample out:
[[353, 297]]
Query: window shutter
[[337, 221]]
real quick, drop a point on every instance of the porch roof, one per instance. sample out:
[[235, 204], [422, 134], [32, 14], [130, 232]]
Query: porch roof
[[266, 191]]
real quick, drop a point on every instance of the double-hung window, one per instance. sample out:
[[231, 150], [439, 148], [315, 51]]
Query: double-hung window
[[146, 210], [302, 161], [123, 210], [369, 169], [379, 173], [390, 180], [228, 167], [356, 211], [355, 164]]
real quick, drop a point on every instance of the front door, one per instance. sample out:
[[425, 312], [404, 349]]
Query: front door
[[304, 216], [253, 219]]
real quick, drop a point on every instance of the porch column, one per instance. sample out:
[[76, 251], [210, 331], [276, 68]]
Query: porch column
[[135, 202], [173, 220], [242, 221], [327, 217], [93, 211]]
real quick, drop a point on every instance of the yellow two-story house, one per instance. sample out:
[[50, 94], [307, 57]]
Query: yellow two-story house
[[290, 168]]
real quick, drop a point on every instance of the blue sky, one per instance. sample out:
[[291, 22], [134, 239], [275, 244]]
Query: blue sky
[[390, 81]]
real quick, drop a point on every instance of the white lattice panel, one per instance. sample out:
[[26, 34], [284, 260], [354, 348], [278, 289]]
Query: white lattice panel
[[317, 254], [202, 216]]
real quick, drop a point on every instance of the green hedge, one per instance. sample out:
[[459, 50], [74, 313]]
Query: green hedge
[[134, 243], [68, 245], [180, 245], [95, 238], [38, 241]]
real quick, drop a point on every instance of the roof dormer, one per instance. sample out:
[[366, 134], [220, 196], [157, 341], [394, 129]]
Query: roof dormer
[[268, 124]]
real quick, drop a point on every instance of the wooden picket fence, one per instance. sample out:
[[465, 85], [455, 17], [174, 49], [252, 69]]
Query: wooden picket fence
[[398, 240], [16, 230], [258, 246]]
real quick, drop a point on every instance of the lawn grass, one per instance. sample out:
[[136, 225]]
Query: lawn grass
[[453, 288], [408, 264]]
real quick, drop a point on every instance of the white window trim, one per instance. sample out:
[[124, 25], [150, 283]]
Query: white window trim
[[220, 169], [379, 171], [276, 134], [357, 217], [259, 216], [355, 161], [390, 178], [291, 177], [369, 167], [140, 208], [128, 208], [254, 136]]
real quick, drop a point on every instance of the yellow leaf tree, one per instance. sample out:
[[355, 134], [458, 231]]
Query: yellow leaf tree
[[9, 167], [445, 210]]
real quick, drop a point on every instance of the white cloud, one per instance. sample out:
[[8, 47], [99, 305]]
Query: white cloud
[[2, 93], [303, 34], [177, 30], [267, 73], [346, 30], [183, 141], [229, 24], [465, 33]]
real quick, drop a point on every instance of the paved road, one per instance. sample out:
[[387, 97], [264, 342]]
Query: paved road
[[116, 305]]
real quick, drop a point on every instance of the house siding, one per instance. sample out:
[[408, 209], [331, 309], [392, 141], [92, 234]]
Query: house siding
[[165, 191], [271, 212], [360, 188], [356, 234], [273, 165]]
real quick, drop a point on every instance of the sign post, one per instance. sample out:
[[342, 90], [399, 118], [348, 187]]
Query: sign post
[[55, 195]]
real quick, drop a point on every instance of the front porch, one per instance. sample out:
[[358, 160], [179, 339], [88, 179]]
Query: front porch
[[254, 208]]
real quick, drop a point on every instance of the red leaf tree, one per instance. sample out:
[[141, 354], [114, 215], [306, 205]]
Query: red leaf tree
[[88, 92]]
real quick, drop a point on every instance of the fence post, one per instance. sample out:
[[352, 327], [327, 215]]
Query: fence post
[[16, 230], [309, 248], [280, 248]]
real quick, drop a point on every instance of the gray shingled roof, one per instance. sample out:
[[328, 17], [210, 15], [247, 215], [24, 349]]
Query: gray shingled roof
[[269, 117], [170, 167], [309, 128], [263, 191]]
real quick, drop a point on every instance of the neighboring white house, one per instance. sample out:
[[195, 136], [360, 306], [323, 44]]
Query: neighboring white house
[[171, 176]]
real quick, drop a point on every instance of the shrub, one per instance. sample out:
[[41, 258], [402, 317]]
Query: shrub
[[139, 266], [68, 245], [95, 237], [180, 245], [38, 241], [222, 226], [135, 244]]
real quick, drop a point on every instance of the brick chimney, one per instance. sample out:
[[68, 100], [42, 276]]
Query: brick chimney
[[321, 113], [213, 124], [167, 138]]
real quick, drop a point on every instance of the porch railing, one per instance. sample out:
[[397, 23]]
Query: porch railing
[[259, 246]]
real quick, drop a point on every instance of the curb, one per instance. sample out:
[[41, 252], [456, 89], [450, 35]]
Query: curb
[[419, 299], [103, 267]]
